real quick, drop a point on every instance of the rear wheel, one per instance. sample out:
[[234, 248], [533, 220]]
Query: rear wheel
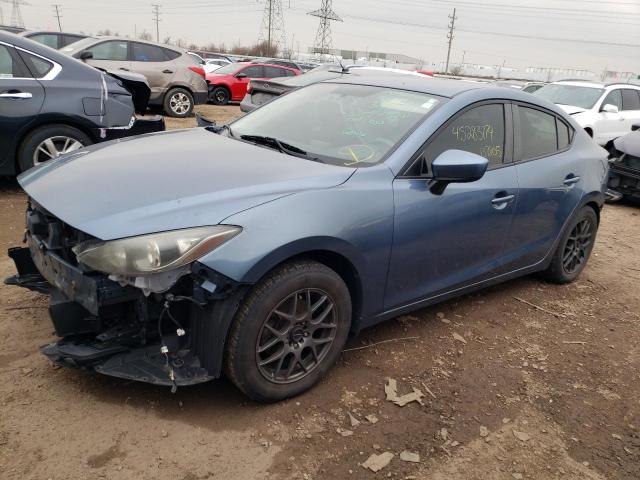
[[574, 249], [48, 143], [289, 331], [178, 103], [220, 96]]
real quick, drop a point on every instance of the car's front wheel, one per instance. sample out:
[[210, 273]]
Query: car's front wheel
[[178, 103], [574, 248], [48, 143], [288, 332]]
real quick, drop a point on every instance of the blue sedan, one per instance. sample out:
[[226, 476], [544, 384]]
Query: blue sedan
[[256, 248]]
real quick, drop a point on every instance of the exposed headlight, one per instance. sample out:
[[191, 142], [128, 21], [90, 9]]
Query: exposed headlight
[[158, 252]]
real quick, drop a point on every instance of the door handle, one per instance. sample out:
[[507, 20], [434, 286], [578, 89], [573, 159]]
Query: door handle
[[571, 180], [17, 95], [501, 200], [167, 71], [125, 69]]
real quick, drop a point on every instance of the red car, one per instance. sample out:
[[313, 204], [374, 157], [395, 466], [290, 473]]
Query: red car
[[229, 83]]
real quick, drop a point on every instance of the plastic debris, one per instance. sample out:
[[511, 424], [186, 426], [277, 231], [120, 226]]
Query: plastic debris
[[391, 390], [375, 463], [407, 456]]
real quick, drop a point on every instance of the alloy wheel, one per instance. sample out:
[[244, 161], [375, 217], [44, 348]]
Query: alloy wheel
[[296, 336], [53, 147], [221, 96], [179, 103], [578, 246]]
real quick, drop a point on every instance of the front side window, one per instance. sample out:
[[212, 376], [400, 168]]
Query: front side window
[[142, 52], [352, 125], [614, 98], [115, 50], [480, 130], [254, 72], [538, 136], [630, 99]]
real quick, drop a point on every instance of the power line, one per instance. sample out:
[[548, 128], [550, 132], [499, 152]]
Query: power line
[[452, 27], [56, 7], [156, 18], [323, 42]]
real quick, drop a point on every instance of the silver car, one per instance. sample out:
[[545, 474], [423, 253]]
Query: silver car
[[175, 77]]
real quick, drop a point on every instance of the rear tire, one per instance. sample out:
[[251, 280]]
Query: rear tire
[[178, 103], [288, 332], [49, 142], [574, 248], [220, 96]]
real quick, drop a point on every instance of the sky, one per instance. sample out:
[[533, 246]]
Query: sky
[[580, 34]]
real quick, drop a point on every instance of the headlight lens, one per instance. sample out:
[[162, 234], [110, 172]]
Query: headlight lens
[[158, 252]]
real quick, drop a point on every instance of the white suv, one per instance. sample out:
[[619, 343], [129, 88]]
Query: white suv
[[605, 111]]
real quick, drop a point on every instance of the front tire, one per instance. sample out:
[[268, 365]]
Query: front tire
[[288, 332], [178, 103], [48, 143], [574, 248]]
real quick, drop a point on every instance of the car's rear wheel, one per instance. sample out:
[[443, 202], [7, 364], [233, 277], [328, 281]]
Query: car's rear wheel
[[178, 102], [574, 249], [288, 332], [220, 96], [48, 143]]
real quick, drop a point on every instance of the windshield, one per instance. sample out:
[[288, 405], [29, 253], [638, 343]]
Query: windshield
[[348, 125], [75, 47], [576, 96], [230, 68]]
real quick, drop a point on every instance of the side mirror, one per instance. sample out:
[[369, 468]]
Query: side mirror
[[456, 166], [241, 75], [608, 108], [86, 55], [635, 128]]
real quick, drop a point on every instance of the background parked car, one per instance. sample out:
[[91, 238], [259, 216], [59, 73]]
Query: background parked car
[[55, 40], [229, 83], [533, 87], [605, 110], [624, 166], [52, 104], [175, 77], [213, 64], [260, 92]]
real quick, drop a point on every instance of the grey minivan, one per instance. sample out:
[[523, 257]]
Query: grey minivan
[[175, 77]]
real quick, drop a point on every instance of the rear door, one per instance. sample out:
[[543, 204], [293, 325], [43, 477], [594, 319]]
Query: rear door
[[155, 64], [630, 108], [21, 98], [550, 178], [110, 55], [274, 72]]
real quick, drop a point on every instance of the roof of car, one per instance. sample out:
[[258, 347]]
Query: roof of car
[[443, 87], [112, 37]]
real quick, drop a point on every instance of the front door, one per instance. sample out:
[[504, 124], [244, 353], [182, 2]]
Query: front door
[[445, 242], [239, 87], [610, 125], [21, 98]]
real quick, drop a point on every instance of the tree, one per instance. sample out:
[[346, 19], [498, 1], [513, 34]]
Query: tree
[[144, 35]]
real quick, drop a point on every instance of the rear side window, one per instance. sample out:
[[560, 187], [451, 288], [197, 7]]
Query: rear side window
[[630, 99], [171, 54], [142, 52], [39, 67], [613, 98], [538, 136], [274, 72], [10, 67], [115, 50], [480, 130], [564, 135], [48, 39]]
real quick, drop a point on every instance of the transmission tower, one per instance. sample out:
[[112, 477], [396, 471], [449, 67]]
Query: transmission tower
[[272, 29], [452, 27], [323, 42], [16, 13]]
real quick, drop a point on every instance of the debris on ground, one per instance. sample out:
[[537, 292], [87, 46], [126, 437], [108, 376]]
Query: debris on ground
[[375, 462], [459, 338], [484, 431], [391, 390], [353, 420], [371, 418], [522, 436], [344, 432], [407, 456]]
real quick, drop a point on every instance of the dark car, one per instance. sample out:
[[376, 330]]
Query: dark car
[[624, 166], [54, 40], [329, 210], [51, 104]]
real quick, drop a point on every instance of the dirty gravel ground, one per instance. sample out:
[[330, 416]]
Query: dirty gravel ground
[[549, 407]]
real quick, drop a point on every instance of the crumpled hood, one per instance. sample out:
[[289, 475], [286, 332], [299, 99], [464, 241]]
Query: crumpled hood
[[168, 181], [629, 144], [571, 110]]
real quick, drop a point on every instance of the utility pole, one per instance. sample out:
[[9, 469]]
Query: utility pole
[[156, 18], [56, 7], [464, 54], [269, 28], [452, 27], [501, 67]]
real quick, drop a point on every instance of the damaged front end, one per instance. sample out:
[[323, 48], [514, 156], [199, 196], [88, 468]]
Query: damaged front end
[[624, 166], [164, 328]]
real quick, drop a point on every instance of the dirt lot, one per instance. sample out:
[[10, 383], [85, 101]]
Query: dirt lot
[[523, 381]]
